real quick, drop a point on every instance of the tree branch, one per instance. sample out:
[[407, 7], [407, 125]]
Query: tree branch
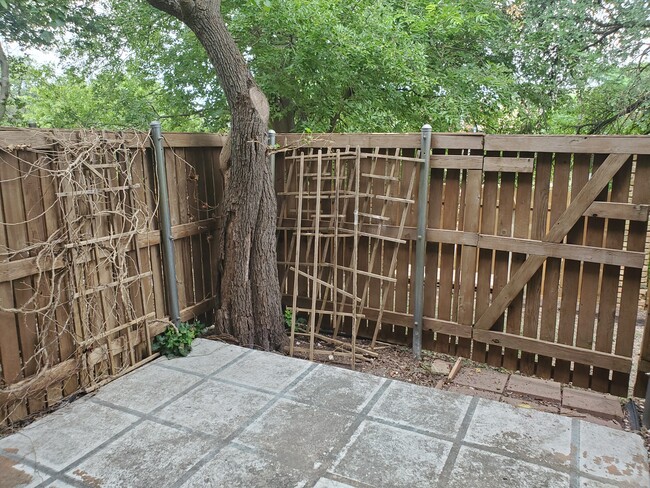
[[172, 7], [596, 127], [4, 82]]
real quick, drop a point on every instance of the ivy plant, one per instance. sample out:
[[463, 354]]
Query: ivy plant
[[301, 322], [176, 341]]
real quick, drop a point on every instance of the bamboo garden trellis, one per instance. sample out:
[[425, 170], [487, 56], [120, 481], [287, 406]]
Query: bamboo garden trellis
[[358, 188]]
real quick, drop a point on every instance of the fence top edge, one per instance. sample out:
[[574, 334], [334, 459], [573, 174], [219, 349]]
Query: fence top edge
[[36, 138]]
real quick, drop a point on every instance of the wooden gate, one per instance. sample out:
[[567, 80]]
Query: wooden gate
[[539, 253]]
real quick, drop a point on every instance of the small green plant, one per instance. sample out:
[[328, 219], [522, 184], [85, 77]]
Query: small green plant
[[176, 341], [301, 323]]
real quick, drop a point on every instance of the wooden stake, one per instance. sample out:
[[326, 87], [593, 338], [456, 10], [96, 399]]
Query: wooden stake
[[297, 263]]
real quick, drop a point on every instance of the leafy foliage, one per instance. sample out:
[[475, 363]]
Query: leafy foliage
[[301, 322], [382, 65], [177, 340], [36, 22]]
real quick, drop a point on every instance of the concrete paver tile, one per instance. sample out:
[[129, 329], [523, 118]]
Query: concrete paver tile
[[525, 433], [327, 483], [66, 435], [594, 403], [146, 388], [400, 458], [59, 484], [206, 357], [482, 379], [587, 483], [336, 389], [535, 388], [265, 370], [149, 455], [237, 468], [474, 467], [434, 411], [215, 408], [614, 455], [299, 436]]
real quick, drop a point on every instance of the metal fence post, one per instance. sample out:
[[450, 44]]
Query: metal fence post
[[166, 241], [421, 243], [646, 408], [272, 156]]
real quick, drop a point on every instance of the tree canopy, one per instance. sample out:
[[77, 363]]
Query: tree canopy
[[333, 65]]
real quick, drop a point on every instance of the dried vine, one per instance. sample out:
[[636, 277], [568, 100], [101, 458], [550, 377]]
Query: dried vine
[[86, 269]]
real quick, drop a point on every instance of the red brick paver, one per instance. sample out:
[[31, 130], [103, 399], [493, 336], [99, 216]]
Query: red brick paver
[[525, 403], [466, 390], [482, 379], [569, 412], [597, 404], [535, 388]]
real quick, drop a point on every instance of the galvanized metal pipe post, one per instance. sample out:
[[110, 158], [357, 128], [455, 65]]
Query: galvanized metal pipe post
[[166, 241], [646, 408], [421, 243], [272, 156]]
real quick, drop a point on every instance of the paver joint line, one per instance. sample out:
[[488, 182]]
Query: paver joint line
[[332, 458], [445, 474], [214, 452], [575, 454]]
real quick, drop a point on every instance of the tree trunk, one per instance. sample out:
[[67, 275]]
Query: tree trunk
[[4, 82], [249, 305], [286, 123]]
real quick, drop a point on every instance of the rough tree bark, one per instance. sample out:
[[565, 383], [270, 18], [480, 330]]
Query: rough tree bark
[[249, 306], [4, 82]]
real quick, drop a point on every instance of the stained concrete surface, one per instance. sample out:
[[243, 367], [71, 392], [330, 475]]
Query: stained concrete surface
[[232, 417]]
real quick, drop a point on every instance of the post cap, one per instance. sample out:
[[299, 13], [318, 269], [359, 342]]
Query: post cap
[[426, 127], [155, 123]]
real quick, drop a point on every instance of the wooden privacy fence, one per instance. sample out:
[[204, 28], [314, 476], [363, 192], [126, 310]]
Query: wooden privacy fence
[[81, 279], [535, 247]]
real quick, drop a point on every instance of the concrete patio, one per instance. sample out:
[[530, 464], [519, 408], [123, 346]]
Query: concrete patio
[[228, 416]]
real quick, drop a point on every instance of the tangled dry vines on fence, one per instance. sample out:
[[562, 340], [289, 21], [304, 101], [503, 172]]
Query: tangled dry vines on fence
[[86, 265]]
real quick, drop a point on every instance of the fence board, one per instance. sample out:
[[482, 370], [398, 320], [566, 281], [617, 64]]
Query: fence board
[[502, 259], [606, 318], [521, 229], [484, 280], [631, 277], [560, 190]]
